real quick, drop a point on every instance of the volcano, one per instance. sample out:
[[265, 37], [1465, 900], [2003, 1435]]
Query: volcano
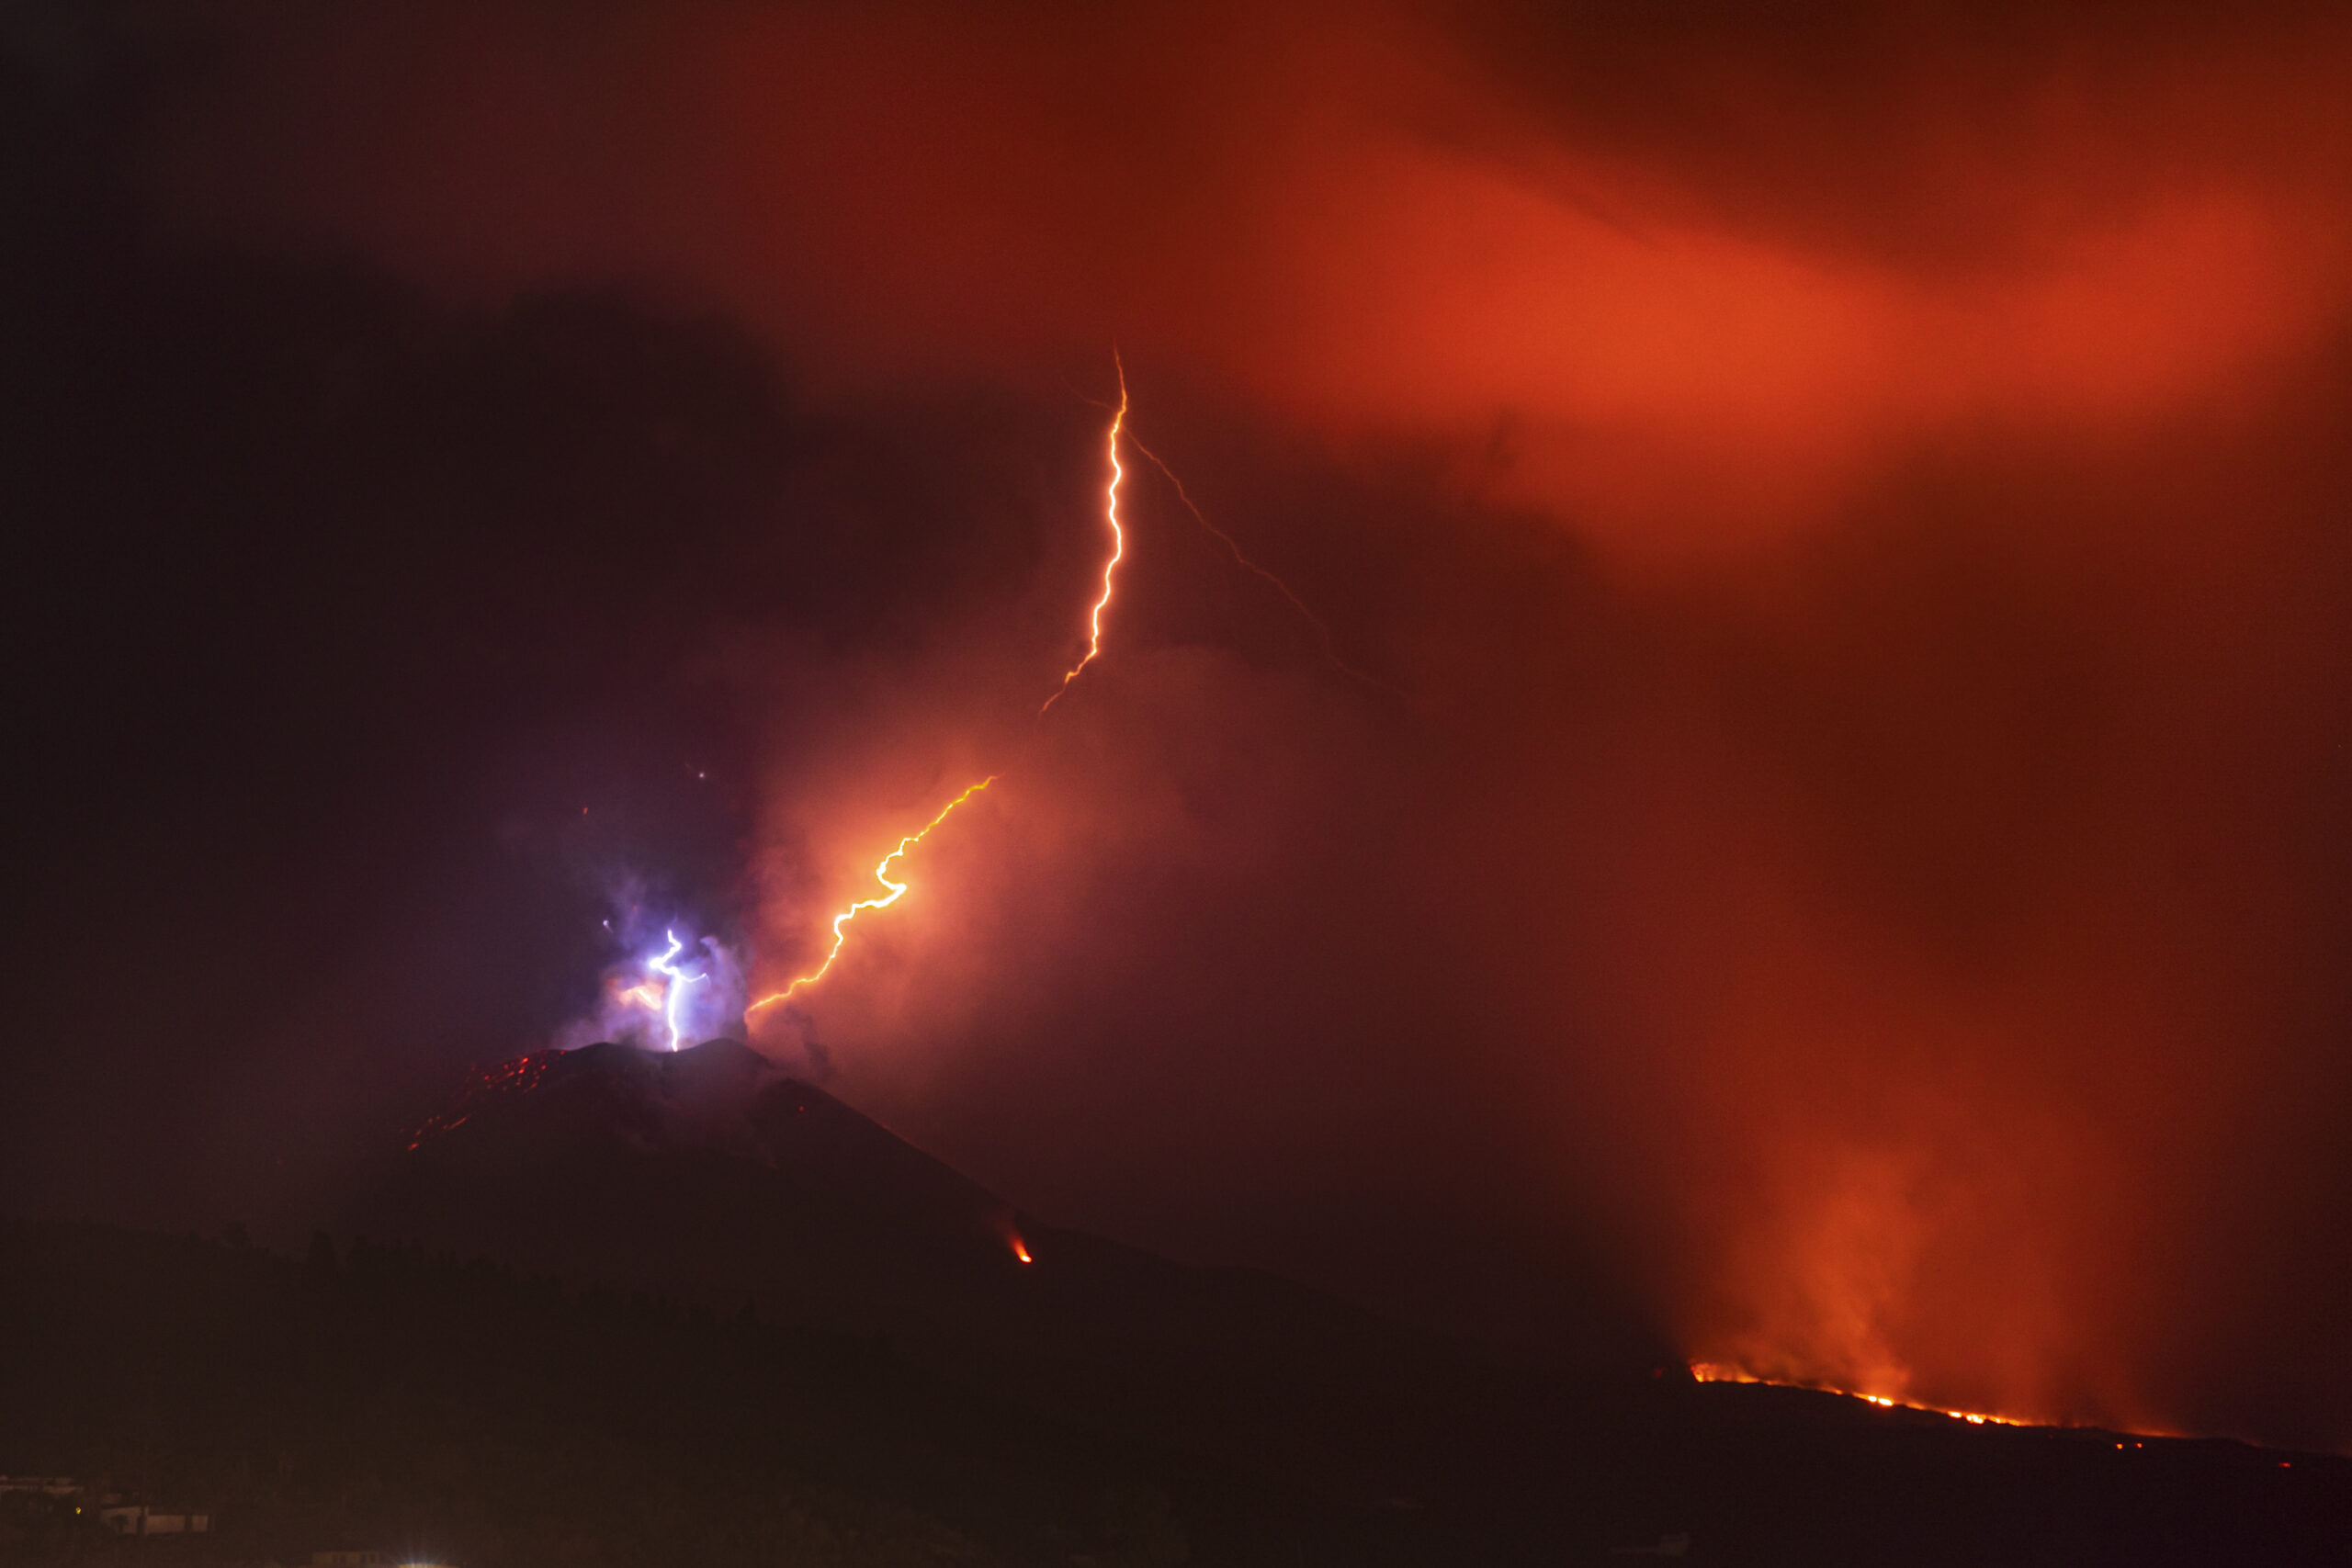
[[710, 1177], [551, 1360], [702, 1175]]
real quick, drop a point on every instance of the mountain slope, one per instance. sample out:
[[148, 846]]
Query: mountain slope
[[907, 1390], [707, 1176]]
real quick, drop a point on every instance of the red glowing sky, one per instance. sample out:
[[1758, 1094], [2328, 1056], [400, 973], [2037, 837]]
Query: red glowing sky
[[1852, 511]]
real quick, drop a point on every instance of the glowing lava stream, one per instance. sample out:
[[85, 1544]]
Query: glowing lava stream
[[1711, 1371], [1118, 542]]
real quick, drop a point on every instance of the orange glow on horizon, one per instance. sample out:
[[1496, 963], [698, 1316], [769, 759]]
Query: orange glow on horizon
[[1715, 1371]]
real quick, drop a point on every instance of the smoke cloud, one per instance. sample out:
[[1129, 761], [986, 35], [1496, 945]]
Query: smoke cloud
[[1850, 879]]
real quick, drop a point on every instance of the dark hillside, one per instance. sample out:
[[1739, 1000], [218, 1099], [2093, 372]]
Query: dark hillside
[[388, 1400], [709, 1176]]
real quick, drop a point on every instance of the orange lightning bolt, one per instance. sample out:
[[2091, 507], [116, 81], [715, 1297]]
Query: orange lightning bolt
[[897, 890], [1118, 541]]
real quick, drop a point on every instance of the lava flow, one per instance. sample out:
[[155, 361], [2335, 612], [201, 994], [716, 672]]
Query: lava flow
[[517, 1076], [1712, 1372]]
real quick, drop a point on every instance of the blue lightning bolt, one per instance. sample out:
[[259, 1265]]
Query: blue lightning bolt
[[675, 991]]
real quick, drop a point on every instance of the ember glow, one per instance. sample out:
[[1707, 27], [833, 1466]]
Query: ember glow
[[1711, 1371], [519, 1076]]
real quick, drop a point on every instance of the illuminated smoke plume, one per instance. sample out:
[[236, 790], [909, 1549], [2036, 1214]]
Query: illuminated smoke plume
[[665, 991], [677, 995]]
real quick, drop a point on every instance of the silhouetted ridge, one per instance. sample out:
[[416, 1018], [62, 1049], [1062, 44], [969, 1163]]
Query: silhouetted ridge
[[705, 1173], [711, 1175]]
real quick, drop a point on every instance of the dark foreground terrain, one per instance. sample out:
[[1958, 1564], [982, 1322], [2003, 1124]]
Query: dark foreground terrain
[[851, 1365]]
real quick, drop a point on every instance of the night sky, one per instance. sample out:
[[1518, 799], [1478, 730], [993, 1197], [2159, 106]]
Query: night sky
[[1806, 818]]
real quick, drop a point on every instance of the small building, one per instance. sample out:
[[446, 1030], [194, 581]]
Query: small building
[[144, 1518], [47, 1485]]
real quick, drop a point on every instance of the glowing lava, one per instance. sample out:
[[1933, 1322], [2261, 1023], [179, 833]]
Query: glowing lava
[[519, 1076], [1118, 542], [1711, 1371], [1021, 1251], [897, 890]]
